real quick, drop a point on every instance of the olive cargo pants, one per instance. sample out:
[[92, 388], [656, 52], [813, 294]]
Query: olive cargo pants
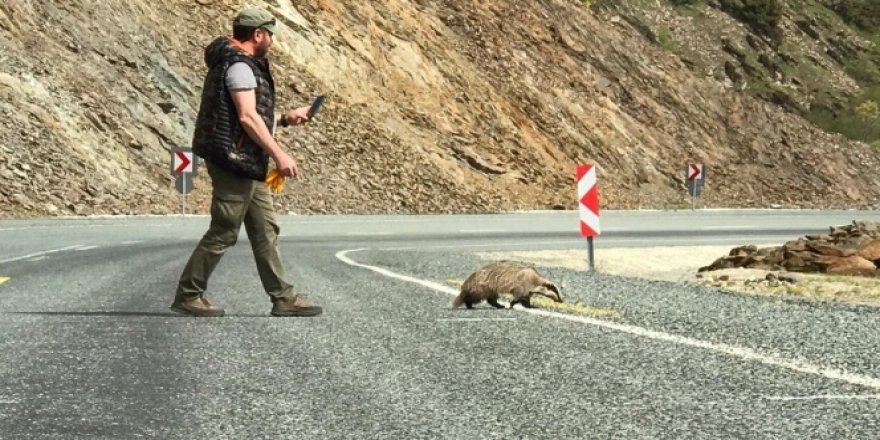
[[237, 200]]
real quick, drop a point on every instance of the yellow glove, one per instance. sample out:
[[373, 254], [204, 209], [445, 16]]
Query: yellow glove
[[274, 181]]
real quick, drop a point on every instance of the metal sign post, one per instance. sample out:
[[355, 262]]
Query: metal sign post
[[183, 199], [590, 258], [588, 206], [184, 184]]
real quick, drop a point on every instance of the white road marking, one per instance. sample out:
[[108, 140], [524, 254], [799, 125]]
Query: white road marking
[[132, 242], [603, 243], [325, 221], [368, 234], [475, 245], [481, 231], [474, 319], [87, 248], [103, 225], [37, 254], [40, 258], [746, 354], [825, 397], [726, 228]]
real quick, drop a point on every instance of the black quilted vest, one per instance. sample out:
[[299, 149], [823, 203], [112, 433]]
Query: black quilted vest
[[219, 138]]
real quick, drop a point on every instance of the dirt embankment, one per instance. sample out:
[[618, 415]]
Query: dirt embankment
[[433, 106]]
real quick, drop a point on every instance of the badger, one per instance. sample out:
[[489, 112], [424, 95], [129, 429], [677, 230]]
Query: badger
[[492, 280]]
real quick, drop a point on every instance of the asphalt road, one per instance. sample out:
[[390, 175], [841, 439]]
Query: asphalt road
[[90, 350]]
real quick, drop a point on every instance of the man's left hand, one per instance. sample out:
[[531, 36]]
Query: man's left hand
[[298, 116]]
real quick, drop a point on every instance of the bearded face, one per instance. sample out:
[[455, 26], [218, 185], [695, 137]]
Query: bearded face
[[263, 39]]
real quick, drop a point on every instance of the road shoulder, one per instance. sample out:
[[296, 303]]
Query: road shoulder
[[680, 264]]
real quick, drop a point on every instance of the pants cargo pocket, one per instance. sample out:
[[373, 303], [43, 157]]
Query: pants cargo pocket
[[227, 214]]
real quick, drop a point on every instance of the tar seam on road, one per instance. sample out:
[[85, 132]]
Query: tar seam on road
[[743, 353]]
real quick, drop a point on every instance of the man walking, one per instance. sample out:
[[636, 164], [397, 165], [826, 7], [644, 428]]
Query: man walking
[[234, 134]]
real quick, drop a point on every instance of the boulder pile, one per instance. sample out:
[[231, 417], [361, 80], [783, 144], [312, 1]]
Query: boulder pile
[[846, 250]]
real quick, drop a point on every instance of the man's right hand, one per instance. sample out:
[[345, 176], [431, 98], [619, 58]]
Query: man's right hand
[[286, 165]]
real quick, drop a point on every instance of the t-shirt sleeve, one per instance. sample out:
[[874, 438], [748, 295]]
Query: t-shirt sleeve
[[240, 77]]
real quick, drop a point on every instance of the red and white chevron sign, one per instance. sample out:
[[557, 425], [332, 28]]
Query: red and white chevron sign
[[183, 162], [588, 195], [695, 171]]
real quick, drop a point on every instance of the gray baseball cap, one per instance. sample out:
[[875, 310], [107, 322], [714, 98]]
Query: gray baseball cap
[[255, 18]]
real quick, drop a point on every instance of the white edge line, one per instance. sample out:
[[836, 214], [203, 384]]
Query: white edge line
[[473, 319], [739, 352], [824, 397], [477, 245], [88, 248], [103, 225], [608, 243], [41, 253]]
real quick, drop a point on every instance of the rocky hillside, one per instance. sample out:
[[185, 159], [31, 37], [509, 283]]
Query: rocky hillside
[[444, 105]]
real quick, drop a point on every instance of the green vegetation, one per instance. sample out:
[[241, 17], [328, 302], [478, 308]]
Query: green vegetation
[[868, 111], [859, 120], [864, 70], [785, 73], [665, 40], [762, 15], [864, 14]]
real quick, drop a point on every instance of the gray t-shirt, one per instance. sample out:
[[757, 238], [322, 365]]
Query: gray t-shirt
[[239, 77]]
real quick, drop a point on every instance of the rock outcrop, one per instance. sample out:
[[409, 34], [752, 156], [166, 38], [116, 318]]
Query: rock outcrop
[[845, 250], [433, 106]]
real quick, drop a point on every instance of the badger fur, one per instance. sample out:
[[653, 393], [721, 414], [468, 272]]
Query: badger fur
[[505, 277]]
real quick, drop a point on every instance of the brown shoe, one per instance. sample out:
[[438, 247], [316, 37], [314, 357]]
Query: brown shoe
[[196, 307], [295, 306]]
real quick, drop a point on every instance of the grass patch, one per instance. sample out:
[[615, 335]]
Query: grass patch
[[576, 308], [688, 9], [665, 40]]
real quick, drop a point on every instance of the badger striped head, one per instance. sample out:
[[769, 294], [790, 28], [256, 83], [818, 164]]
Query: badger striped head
[[549, 290]]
